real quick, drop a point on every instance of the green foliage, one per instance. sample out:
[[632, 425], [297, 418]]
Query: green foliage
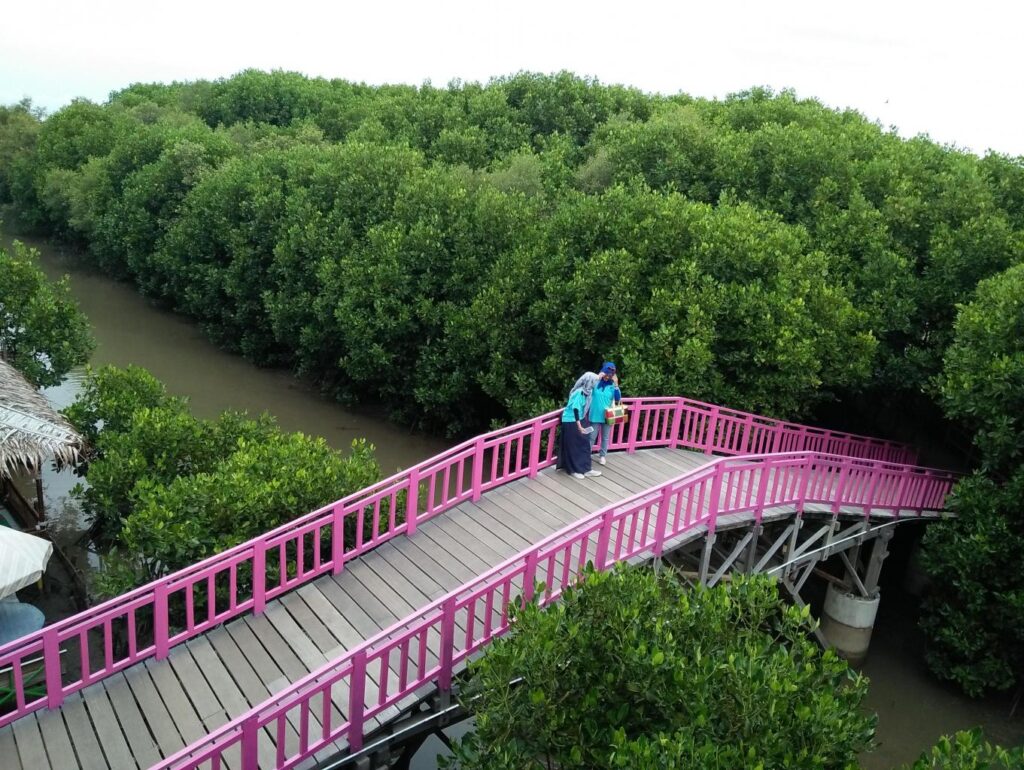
[[166, 489], [763, 250], [43, 334], [974, 616], [634, 670], [261, 482], [110, 396], [982, 382], [968, 750]]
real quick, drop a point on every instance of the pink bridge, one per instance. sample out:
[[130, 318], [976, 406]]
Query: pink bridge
[[302, 647]]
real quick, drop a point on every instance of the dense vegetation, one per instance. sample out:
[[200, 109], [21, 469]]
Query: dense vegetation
[[461, 253], [634, 669], [43, 334], [167, 489]]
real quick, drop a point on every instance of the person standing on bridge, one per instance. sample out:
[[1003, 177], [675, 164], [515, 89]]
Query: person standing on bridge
[[574, 439], [605, 394]]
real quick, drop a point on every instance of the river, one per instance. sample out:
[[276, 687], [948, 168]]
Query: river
[[913, 708]]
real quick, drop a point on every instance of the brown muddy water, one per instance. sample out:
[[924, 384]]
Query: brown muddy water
[[913, 708]]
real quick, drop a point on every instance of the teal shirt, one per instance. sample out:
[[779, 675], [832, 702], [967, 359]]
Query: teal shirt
[[576, 401], [601, 400]]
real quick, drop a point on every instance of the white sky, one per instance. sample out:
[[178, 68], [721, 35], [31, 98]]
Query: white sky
[[952, 70]]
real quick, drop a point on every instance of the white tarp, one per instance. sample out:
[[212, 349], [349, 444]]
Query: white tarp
[[23, 559]]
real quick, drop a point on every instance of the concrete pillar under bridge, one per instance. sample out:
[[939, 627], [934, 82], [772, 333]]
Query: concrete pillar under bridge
[[792, 550]]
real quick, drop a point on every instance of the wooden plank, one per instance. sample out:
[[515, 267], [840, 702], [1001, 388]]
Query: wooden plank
[[31, 750], [56, 739], [463, 524], [461, 560], [365, 571], [348, 608], [266, 650], [232, 660], [466, 527], [334, 621], [229, 693], [443, 569], [168, 740], [111, 738], [178, 703], [9, 748], [380, 615], [140, 740], [87, 747], [312, 625], [525, 523], [205, 703]]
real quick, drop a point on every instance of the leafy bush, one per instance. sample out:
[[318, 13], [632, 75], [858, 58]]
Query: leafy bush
[[634, 670], [166, 489], [43, 334], [974, 615], [968, 750]]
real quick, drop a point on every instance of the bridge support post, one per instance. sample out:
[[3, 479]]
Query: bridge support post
[[705, 559], [848, 617]]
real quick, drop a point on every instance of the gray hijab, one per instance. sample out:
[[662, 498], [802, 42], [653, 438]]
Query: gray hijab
[[586, 383]]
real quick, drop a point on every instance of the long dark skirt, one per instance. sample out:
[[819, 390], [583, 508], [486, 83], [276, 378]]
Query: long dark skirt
[[573, 448]]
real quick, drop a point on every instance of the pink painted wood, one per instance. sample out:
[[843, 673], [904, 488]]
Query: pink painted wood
[[137, 625], [630, 528]]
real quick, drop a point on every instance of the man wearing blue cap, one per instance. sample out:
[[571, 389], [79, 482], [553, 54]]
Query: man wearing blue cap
[[605, 394]]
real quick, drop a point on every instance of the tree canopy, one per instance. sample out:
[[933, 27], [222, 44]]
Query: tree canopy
[[633, 669], [43, 334]]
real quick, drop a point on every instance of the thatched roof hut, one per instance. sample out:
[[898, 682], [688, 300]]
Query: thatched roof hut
[[31, 431]]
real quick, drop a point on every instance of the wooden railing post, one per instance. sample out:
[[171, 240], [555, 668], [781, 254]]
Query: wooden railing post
[[478, 469], [530, 577], [535, 438], [603, 539], [356, 698], [677, 423], [250, 743], [337, 539], [161, 624], [412, 501], [447, 651], [900, 488], [748, 429], [715, 498], [805, 477], [634, 427], [51, 667], [661, 522], [711, 431], [838, 502], [762, 490], [870, 498], [259, 576]]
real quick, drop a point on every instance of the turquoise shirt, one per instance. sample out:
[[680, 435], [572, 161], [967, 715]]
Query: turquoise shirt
[[601, 400], [576, 401]]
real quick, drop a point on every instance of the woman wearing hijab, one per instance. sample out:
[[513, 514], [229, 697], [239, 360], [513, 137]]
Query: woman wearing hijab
[[606, 393], [574, 443]]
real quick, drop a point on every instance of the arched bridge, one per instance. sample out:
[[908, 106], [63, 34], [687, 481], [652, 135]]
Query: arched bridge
[[320, 643]]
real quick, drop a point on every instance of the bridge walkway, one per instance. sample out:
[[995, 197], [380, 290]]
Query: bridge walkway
[[153, 709]]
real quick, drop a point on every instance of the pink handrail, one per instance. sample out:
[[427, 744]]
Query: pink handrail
[[213, 591], [401, 659]]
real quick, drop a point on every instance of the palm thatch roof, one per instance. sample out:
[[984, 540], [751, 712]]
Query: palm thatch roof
[[31, 431]]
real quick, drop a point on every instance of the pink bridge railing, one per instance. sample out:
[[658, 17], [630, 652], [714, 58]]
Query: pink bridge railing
[[137, 625], [336, 702]]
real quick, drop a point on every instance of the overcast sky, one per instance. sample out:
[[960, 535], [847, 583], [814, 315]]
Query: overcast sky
[[953, 71]]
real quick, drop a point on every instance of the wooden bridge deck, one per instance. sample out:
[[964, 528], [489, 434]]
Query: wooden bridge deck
[[155, 708]]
